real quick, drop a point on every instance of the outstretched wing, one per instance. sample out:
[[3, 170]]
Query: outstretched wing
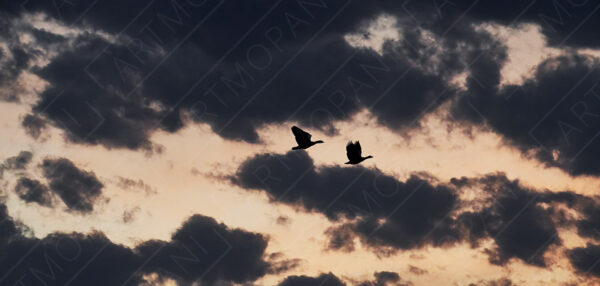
[[302, 137], [353, 151], [358, 149]]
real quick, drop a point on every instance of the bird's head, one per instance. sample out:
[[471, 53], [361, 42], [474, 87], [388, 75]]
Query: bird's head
[[320, 141]]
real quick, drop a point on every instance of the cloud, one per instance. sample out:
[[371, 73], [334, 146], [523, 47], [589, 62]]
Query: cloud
[[560, 22], [86, 112], [33, 191], [416, 270], [78, 189], [587, 221], [388, 215], [129, 214], [569, 23], [14, 59], [16, 163], [110, 109], [553, 115], [8, 227], [115, 89], [57, 259], [382, 278], [278, 264], [519, 226], [324, 279], [585, 259], [341, 238], [33, 125], [498, 282], [130, 184], [233, 255], [200, 250], [385, 278], [385, 213]]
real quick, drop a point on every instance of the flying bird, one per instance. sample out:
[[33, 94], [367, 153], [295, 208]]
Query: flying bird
[[302, 138], [354, 153]]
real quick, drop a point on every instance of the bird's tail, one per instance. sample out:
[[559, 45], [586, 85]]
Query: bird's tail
[[296, 148]]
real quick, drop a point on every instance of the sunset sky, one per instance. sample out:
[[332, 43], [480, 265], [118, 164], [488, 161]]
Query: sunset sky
[[149, 142]]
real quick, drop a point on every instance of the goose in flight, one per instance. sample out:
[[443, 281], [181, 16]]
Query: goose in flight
[[302, 138], [354, 153]]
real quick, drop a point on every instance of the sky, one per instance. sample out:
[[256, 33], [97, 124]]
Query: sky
[[150, 142]]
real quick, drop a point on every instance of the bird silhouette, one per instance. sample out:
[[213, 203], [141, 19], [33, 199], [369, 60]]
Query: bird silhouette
[[302, 138], [354, 153]]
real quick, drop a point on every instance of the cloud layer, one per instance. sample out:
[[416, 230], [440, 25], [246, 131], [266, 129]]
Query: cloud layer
[[113, 74], [201, 250], [388, 215]]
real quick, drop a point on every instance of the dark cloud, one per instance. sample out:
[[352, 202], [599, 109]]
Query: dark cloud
[[17, 53], [78, 189], [563, 23], [202, 250], [323, 280], [585, 259], [497, 282], [18, 162], [587, 222], [278, 263], [554, 115], [88, 113], [8, 227], [117, 92], [33, 191], [589, 226], [386, 214], [33, 125], [14, 60], [519, 226], [107, 106], [160, 69], [61, 258], [341, 238], [383, 278], [230, 254]]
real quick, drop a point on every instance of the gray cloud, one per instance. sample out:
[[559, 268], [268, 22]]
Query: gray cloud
[[18, 162], [201, 250], [388, 215], [585, 259], [117, 92], [33, 191], [383, 278], [553, 115], [78, 189]]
